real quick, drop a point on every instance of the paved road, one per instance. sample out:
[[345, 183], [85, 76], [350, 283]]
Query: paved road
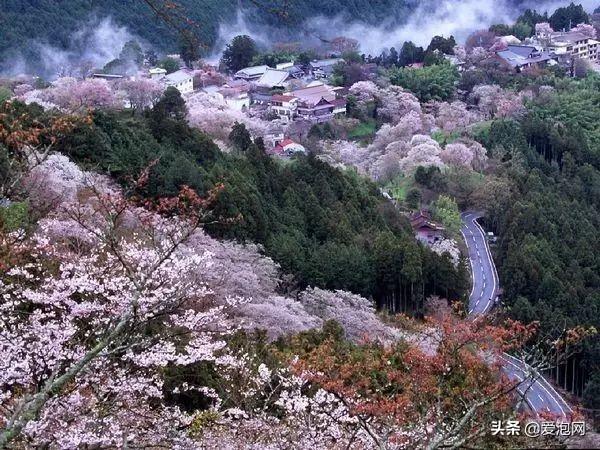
[[539, 394]]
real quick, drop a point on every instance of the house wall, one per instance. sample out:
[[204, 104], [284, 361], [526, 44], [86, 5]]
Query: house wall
[[238, 103], [185, 86], [427, 235]]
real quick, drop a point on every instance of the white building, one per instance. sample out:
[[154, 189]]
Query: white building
[[235, 97], [323, 68], [240, 101], [284, 105], [574, 44], [157, 73], [180, 80]]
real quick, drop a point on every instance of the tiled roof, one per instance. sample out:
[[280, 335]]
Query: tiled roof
[[273, 77], [252, 71], [570, 37], [282, 98], [178, 77], [314, 94], [517, 55], [325, 62]]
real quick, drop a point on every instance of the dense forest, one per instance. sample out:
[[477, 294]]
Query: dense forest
[[548, 219]]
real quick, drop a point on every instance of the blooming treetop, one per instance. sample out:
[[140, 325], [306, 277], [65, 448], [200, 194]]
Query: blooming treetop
[[76, 96]]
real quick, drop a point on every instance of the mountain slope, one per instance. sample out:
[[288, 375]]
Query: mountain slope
[[25, 24]]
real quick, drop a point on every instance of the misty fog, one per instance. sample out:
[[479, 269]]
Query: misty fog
[[99, 40]]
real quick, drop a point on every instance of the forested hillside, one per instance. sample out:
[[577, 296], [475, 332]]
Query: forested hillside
[[24, 22], [548, 217], [329, 228]]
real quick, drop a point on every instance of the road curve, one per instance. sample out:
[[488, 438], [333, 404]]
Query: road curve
[[539, 394]]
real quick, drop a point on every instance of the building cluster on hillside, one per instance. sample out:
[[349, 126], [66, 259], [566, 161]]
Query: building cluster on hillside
[[292, 92], [554, 48], [285, 93]]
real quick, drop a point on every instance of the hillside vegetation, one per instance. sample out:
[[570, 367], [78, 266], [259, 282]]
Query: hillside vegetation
[[25, 23]]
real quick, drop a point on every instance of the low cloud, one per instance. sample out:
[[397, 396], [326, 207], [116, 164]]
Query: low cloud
[[427, 19], [96, 42]]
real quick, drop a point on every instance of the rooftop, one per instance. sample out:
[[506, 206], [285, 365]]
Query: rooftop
[[569, 37], [178, 77], [521, 55], [283, 98], [325, 62], [273, 77], [252, 71], [423, 219]]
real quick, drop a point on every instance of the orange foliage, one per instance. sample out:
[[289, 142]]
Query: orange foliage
[[403, 385]]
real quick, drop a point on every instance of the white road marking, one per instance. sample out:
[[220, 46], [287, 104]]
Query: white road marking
[[540, 382]]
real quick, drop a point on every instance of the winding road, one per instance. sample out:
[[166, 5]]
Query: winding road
[[539, 394]]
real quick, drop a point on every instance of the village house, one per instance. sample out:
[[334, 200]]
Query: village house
[[180, 80], [274, 135], [287, 147], [316, 102], [323, 68], [234, 94], [157, 73], [250, 73], [273, 78], [519, 57], [574, 44], [285, 106], [426, 230], [566, 45], [293, 70]]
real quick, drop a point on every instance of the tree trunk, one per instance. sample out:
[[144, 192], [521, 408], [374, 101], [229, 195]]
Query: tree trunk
[[31, 408]]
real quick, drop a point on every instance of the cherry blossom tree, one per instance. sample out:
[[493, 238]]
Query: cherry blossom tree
[[342, 44], [22, 89], [205, 113], [448, 246], [454, 116], [424, 152], [141, 93], [477, 55], [95, 277], [587, 30], [460, 52], [74, 96], [493, 101], [354, 313], [498, 45], [457, 154], [29, 142], [480, 39], [394, 102], [543, 32], [377, 397]]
